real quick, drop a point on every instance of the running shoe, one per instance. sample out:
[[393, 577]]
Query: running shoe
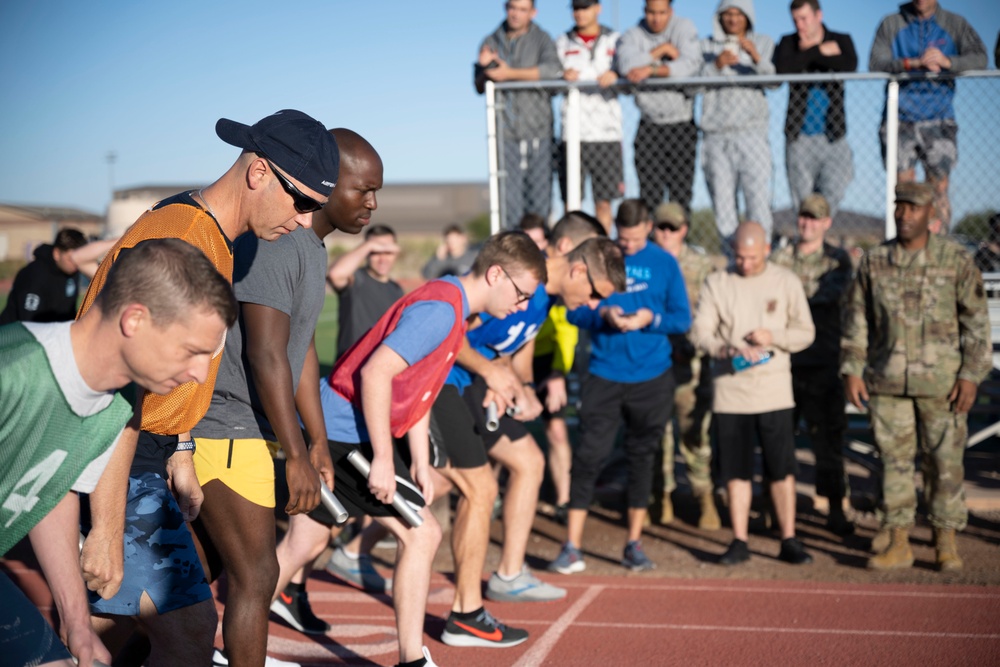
[[568, 561], [635, 558], [525, 587], [294, 609], [794, 552], [219, 659], [738, 552], [358, 572], [483, 631]]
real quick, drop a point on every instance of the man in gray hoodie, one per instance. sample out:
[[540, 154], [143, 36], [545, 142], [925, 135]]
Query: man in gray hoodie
[[662, 45], [518, 50], [734, 119]]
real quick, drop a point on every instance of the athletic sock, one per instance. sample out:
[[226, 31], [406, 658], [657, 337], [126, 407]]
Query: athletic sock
[[508, 579], [352, 557], [293, 587], [468, 615], [415, 663]]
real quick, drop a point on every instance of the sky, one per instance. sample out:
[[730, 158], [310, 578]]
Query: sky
[[147, 81]]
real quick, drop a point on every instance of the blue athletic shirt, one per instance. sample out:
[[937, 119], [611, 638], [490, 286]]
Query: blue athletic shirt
[[924, 100], [496, 337], [654, 282], [422, 327]]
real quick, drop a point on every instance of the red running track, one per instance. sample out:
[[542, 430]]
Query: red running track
[[639, 620]]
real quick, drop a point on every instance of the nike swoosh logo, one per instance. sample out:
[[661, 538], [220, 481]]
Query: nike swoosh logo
[[494, 636], [287, 599]]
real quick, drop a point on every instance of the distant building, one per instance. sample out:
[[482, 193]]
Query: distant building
[[23, 228], [409, 208]]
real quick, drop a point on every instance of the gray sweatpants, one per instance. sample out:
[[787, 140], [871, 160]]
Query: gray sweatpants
[[734, 161], [815, 164], [527, 187]]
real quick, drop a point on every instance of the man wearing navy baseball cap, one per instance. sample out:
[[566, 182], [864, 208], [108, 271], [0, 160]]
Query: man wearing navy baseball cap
[[287, 170]]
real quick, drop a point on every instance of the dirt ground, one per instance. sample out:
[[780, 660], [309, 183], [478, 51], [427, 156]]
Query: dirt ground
[[682, 551]]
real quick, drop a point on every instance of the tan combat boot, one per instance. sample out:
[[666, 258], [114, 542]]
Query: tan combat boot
[[709, 519], [666, 510], [881, 540], [898, 555], [948, 559]]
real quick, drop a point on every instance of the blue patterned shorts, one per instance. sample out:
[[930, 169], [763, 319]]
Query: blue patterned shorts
[[160, 557]]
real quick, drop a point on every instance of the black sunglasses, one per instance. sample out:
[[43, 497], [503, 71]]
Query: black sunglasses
[[302, 203], [594, 294], [521, 296]]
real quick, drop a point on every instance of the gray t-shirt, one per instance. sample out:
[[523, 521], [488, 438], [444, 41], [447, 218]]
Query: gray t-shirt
[[361, 305], [289, 275]]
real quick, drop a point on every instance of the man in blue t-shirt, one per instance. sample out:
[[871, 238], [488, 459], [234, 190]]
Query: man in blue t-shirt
[[630, 379], [497, 366]]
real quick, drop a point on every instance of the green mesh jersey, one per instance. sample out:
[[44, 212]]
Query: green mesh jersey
[[44, 445]]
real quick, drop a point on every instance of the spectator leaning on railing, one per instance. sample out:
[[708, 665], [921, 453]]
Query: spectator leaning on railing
[[922, 37], [518, 50], [587, 53], [817, 155], [662, 45], [734, 119]]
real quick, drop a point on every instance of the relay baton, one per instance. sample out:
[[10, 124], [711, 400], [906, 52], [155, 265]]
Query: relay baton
[[405, 510], [493, 419], [330, 502]]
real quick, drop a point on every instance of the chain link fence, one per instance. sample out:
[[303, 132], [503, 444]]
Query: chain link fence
[[737, 158]]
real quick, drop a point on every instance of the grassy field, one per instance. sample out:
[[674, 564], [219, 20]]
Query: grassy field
[[326, 334]]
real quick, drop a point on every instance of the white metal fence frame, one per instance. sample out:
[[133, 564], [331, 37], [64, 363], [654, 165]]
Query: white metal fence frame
[[571, 132]]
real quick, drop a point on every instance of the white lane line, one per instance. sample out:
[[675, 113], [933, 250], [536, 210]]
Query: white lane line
[[543, 645], [798, 591], [764, 630]]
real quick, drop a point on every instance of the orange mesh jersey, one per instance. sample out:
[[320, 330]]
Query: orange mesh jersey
[[178, 217]]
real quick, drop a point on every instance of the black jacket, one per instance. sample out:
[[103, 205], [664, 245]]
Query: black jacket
[[42, 292], [788, 59]]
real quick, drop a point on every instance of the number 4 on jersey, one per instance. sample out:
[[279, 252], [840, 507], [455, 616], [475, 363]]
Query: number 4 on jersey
[[37, 478]]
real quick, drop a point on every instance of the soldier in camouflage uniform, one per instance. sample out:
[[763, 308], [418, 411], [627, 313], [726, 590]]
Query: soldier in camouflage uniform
[[917, 341], [825, 272], [693, 374]]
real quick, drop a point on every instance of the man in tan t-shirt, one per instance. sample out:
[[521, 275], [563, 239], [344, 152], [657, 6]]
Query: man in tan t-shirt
[[754, 316]]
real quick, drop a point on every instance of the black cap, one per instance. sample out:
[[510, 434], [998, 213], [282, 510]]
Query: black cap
[[297, 143], [584, 4]]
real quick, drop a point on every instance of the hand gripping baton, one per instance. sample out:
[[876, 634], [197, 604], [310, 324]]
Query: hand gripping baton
[[330, 502], [409, 515]]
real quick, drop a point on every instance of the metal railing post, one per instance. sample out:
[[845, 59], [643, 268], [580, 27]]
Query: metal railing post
[[891, 155], [492, 151], [571, 135]]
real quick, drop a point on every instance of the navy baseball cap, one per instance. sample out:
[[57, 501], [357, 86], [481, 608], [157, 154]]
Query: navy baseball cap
[[584, 4], [297, 143]]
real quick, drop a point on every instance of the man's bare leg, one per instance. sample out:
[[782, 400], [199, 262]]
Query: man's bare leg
[[300, 547], [560, 457], [180, 637], [414, 561], [470, 532], [526, 465], [783, 497], [241, 533]]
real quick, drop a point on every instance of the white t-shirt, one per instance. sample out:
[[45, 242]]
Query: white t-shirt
[[84, 401]]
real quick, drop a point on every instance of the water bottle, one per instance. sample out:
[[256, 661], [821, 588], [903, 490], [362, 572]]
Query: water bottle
[[741, 363]]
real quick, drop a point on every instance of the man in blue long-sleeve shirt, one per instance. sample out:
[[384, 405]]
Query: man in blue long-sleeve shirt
[[630, 378]]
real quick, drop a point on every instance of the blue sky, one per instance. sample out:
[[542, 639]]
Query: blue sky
[[149, 80]]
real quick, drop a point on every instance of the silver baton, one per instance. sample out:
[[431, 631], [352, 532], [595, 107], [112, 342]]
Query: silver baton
[[409, 515], [330, 502]]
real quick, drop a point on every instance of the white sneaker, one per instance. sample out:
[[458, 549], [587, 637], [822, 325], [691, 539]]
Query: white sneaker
[[219, 659], [427, 657]]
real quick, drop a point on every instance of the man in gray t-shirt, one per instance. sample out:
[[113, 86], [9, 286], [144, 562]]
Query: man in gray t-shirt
[[268, 381]]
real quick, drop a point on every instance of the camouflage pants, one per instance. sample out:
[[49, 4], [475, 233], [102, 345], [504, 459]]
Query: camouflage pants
[[692, 407], [819, 400], [900, 424]]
